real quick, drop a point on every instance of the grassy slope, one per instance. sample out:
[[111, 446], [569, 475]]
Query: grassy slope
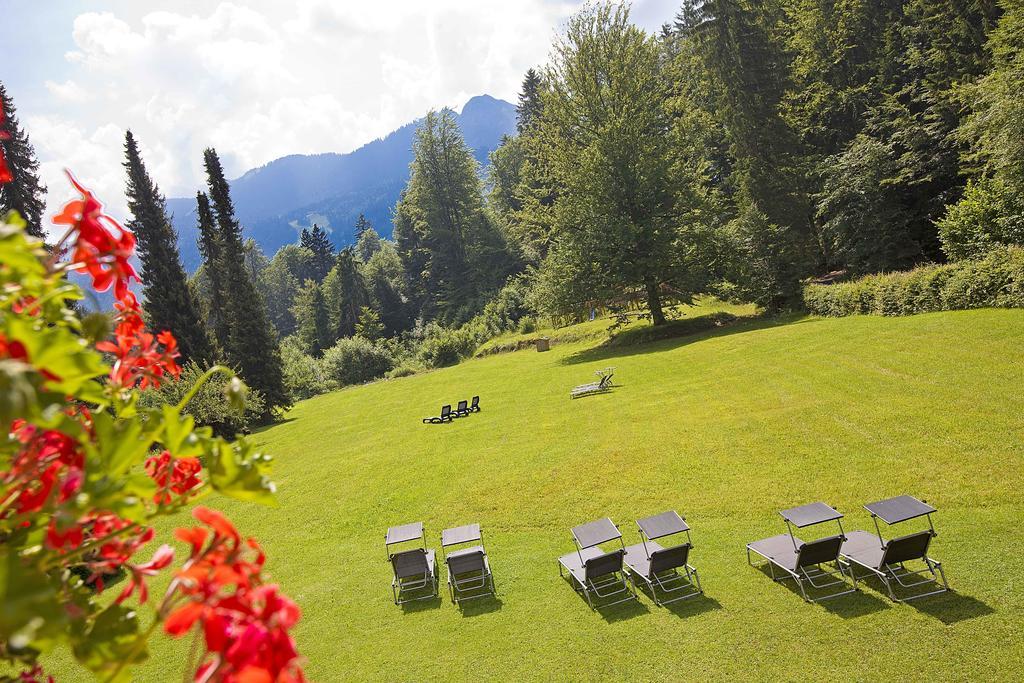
[[728, 428]]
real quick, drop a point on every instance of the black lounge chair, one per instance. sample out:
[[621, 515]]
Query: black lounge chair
[[594, 572], [658, 567], [415, 571], [595, 387], [885, 559], [445, 416], [462, 410], [801, 561], [474, 405], [469, 572]]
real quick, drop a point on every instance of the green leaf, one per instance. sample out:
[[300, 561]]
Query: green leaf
[[112, 642], [31, 614], [237, 471], [178, 433], [119, 445]]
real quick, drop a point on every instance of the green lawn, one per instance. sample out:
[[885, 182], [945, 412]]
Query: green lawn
[[726, 427]]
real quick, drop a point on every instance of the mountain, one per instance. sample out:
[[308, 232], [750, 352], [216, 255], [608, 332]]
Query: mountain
[[275, 201]]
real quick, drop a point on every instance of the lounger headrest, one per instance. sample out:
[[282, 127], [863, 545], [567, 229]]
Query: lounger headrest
[[909, 547], [466, 562], [822, 550], [601, 565], [410, 563], [669, 558]]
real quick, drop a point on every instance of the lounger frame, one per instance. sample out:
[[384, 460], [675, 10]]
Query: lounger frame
[[595, 387], [678, 575], [812, 557], [898, 551], [403, 582], [596, 573], [469, 569], [810, 574]]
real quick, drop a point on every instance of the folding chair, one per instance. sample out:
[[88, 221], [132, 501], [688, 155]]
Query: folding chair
[[446, 416], [462, 410], [658, 567], [469, 572], [801, 561], [474, 406], [595, 387], [595, 572], [414, 570], [885, 559]]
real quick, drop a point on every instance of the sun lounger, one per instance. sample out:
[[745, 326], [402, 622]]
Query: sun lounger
[[886, 559], [469, 571], [445, 416], [803, 562], [474, 405], [592, 571], [663, 569], [461, 410], [415, 570], [594, 387]]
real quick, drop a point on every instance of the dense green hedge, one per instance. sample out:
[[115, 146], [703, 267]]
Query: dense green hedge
[[996, 280]]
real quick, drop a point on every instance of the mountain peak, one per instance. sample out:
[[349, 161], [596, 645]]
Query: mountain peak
[[276, 199]]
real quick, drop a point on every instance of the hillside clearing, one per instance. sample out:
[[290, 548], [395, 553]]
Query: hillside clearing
[[728, 427]]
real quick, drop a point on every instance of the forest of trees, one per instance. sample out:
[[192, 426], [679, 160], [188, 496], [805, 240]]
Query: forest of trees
[[744, 150]]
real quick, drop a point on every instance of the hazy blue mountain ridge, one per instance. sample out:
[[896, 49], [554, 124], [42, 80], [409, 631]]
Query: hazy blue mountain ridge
[[275, 200]]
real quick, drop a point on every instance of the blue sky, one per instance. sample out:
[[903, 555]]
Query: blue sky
[[257, 79]]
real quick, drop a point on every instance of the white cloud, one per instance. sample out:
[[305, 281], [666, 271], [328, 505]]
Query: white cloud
[[262, 79]]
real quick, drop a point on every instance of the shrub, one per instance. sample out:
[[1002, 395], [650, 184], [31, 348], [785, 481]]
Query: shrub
[[210, 406], [442, 346], [990, 214], [403, 370], [997, 280], [355, 360], [304, 375]]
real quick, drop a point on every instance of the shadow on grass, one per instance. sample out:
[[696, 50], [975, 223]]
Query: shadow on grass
[[691, 607], [622, 611], [952, 607], [949, 607], [478, 606], [675, 335], [273, 423], [848, 606], [611, 612], [421, 605]]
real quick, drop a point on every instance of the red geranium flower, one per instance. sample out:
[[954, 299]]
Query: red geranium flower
[[173, 475]]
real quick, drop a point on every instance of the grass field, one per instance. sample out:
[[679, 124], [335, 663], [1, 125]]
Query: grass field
[[727, 427]]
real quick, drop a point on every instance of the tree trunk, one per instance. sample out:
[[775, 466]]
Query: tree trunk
[[654, 303]]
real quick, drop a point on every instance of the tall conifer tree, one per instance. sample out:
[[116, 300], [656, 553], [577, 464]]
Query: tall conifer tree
[[353, 293], [317, 241], [210, 248], [169, 302], [24, 194], [251, 344]]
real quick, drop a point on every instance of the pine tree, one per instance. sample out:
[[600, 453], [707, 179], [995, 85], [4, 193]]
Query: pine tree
[[314, 325], [251, 344], [169, 302], [24, 194], [368, 244], [352, 295], [369, 326], [530, 106], [210, 248], [443, 204], [317, 241], [362, 225]]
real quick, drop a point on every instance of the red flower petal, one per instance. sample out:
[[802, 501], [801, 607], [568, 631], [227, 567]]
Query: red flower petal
[[182, 619]]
